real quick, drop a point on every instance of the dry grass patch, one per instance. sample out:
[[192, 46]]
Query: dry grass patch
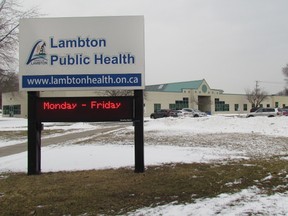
[[117, 191], [18, 135]]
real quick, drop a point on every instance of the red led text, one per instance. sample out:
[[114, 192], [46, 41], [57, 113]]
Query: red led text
[[100, 105], [104, 105], [59, 106], [81, 109]]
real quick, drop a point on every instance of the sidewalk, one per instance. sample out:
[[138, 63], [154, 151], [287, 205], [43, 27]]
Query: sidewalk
[[21, 147]]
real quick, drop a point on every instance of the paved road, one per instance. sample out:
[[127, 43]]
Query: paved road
[[21, 147]]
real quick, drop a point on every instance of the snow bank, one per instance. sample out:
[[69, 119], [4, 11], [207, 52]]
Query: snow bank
[[277, 126], [247, 202]]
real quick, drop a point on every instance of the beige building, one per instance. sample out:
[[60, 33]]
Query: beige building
[[191, 94], [198, 95]]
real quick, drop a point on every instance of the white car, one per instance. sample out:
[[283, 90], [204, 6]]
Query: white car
[[192, 112], [270, 112]]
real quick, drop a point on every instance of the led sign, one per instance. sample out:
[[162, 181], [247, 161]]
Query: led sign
[[85, 109], [82, 53]]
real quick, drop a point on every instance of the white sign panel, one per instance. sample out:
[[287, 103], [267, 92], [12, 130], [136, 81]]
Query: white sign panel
[[82, 53]]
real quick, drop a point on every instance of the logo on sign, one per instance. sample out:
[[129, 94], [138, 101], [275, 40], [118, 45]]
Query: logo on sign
[[38, 54]]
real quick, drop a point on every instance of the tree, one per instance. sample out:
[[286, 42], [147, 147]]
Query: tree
[[117, 93], [256, 96], [285, 73], [9, 81], [284, 92], [10, 14]]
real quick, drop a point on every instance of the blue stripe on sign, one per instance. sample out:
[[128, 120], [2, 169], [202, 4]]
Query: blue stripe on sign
[[83, 80]]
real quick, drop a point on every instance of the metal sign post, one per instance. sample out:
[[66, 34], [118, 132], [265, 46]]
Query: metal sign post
[[139, 131], [34, 135]]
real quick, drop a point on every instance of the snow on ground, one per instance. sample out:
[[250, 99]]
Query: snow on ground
[[19, 124], [221, 124], [247, 202], [87, 157], [213, 138]]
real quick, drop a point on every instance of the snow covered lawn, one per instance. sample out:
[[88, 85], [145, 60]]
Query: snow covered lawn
[[170, 140]]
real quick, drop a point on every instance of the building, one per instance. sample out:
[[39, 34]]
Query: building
[[198, 95], [191, 94]]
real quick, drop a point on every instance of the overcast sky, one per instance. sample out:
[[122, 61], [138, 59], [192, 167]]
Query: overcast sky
[[229, 43]]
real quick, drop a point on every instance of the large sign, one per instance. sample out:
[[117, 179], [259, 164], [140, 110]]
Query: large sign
[[82, 53], [85, 109]]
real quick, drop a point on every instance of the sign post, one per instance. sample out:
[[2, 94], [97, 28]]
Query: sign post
[[139, 131], [34, 135]]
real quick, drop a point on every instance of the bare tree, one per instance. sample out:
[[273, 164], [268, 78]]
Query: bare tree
[[284, 92], [10, 14], [8, 81], [285, 71], [256, 96], [116, 93]]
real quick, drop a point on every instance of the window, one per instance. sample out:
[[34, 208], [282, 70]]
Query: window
[[6, 110], [157, 107], [17, 109], [268, 105], [245, 107], [226, 107], [186, 102], [172, 106], [276, 104], [269, 110], [220, 105], [180, 104], [12, 110], [236, 107]]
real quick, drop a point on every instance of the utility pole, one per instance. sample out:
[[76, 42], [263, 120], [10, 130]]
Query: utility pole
[[257, 87]]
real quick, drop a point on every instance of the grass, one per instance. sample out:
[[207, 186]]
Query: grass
[[117, 191], [6, 135], [20, 135]]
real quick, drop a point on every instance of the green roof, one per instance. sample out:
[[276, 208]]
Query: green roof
[[175, 87]]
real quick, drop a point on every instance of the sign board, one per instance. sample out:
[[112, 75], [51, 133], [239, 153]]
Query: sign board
[[85, 109], [82, 53]]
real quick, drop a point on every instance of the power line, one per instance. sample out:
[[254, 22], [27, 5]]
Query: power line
[[271, 82]]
